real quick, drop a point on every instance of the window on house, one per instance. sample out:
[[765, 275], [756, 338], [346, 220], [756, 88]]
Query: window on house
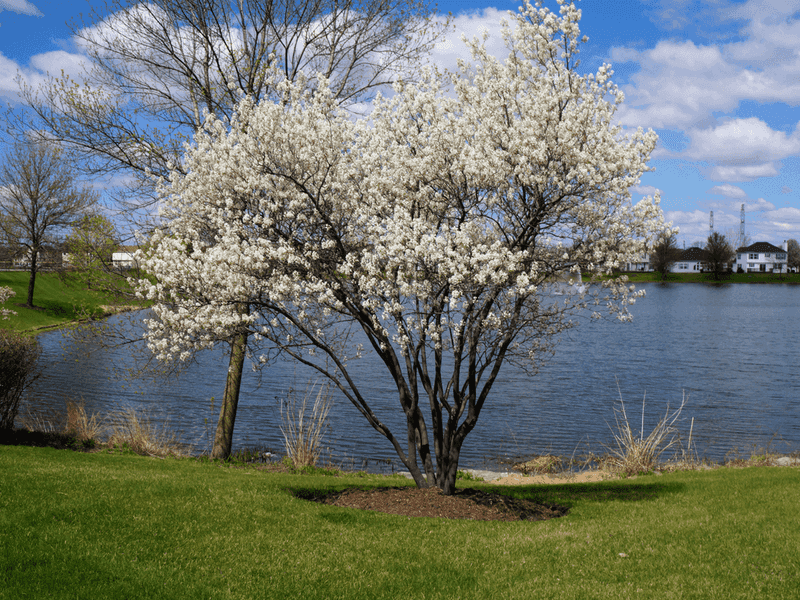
[[753, 256], [767, 255], [738, 257], [780, 256]]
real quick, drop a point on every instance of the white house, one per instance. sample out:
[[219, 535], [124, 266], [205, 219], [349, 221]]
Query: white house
[[761, 257], [640, 263], [124, 258], [691, 260]]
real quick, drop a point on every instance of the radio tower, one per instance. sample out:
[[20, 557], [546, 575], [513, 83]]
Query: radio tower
[[711, 223], [741, 228]]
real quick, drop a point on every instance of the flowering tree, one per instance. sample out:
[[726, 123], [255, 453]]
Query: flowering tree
[[436, 230]]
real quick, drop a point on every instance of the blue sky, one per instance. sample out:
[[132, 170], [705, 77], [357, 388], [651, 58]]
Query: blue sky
[[718, 80]]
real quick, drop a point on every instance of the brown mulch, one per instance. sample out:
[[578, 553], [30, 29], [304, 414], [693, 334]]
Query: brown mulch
[[468, 504]]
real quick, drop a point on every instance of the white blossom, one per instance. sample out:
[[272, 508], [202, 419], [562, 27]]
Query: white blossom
[[440, 224]]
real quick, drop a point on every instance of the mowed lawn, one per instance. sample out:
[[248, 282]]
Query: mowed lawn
[[75, 525]]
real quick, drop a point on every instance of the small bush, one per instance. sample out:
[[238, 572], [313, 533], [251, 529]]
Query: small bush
[[134, 432], [86, 429], [303, 431], [19, 357], [540, 465], [634, 454]]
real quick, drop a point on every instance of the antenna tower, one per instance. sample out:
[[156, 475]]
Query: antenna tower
[[741, 227], [711, 223]]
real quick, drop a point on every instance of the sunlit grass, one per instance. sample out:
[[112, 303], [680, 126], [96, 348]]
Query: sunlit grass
[[117, 525]]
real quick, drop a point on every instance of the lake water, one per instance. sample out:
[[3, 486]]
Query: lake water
[[732, 349]]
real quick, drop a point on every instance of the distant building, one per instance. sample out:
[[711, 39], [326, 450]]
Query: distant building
[[761, 257], [123, 258], [691, 260], [640, 263]]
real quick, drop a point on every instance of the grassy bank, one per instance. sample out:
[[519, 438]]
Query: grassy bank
[[58, 301], [118, 525], [709, 278]]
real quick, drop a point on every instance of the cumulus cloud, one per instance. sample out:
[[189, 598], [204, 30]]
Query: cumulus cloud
[[448, 51], [37, 70], [646, 190], [22, 7], [728, 190], [685, 85], [759, 205]]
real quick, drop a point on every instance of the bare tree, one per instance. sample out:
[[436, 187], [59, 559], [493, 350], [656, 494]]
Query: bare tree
[[38, 199], [734, 236], [793, 254], [158, 68], [719, 254], [664, 254]]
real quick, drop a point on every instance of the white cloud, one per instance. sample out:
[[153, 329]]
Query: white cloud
[[447, 52], [728, 190], [742, 172], [759, 205], [22, 7], [646, 190], [742, 142], [37, 71]]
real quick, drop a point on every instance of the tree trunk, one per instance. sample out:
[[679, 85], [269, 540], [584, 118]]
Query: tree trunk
[[32, 279], [223, 439]]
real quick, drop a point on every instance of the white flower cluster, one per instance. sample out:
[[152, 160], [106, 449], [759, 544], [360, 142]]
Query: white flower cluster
[[438, 224]]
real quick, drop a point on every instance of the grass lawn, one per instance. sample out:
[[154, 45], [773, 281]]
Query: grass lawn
[[75, 525], [57, 301]]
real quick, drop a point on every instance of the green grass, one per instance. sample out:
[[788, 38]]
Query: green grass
[[709, 278], [75, 525], [58, 302]]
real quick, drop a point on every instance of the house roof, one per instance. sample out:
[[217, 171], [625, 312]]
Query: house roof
[[760, 247], [693, 253]]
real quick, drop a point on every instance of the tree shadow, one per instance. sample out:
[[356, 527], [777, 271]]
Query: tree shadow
[[570, 494]]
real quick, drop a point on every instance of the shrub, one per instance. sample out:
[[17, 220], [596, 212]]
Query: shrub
[[302, 431], [19, 357], [634, 454], [85, 428], [137, 433]]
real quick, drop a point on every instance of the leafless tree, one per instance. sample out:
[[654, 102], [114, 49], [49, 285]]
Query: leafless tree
[[39, 198], [719, 254], [793, 254], [157, 68], [734, 236], [664, 254]]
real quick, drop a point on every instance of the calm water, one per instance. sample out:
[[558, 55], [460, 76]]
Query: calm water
[[733, 350]]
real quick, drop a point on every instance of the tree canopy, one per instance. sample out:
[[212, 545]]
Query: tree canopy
[[434, 231]]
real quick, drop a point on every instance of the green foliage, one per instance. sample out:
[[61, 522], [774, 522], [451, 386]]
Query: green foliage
[[467, 476], [91, 246]]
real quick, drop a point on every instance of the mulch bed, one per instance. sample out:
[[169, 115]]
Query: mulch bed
[[467, 503]]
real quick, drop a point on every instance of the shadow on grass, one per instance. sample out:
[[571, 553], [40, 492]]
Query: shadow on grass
[[43, 439], [607, 491]]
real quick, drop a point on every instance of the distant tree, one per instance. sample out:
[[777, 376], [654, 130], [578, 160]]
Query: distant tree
[[734, 236], [793, 256], [39, 198], [91, 246], [664, 254], [720, 254]]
